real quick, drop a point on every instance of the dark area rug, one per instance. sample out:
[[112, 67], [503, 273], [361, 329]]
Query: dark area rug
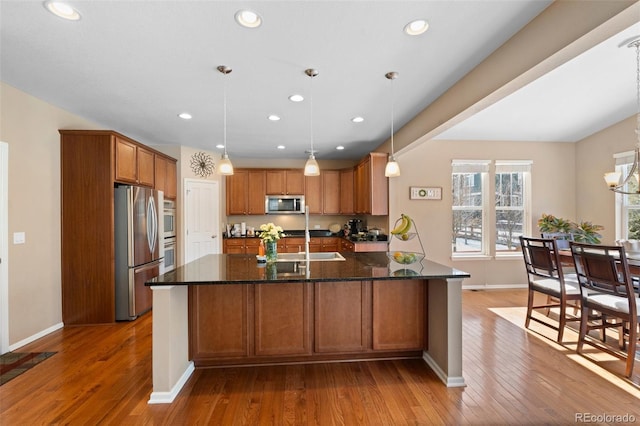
[[13, 364]]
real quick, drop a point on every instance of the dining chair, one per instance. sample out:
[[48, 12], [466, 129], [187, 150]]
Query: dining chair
[[545, 275], [608, 296]]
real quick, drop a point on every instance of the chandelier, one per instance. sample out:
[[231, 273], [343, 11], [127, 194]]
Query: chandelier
[[613, 178]]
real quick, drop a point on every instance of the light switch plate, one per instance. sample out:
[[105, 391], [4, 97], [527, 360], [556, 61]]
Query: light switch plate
[[19, 238], [425, 193]]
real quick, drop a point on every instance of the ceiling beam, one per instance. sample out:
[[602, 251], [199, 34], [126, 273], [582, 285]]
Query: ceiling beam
[[561, 32]]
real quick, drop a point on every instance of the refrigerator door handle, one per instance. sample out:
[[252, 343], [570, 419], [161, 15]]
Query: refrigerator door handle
[[152, 224], [149, 265]]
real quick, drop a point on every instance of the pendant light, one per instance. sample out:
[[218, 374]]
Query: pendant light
[[392, 169], [311, 167], [225, 167], [613, 178]]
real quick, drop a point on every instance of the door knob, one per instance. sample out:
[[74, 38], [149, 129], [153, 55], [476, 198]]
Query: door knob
[[213, 236]]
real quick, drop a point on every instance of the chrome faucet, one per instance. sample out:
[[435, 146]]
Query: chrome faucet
[[307, 238]]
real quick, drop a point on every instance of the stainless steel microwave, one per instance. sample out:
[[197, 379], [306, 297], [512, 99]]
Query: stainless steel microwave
[[284, 204]]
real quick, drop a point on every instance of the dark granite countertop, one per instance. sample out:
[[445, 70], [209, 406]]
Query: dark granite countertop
[[244, 269]]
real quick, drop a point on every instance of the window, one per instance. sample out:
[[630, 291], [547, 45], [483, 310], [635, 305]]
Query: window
[[468, 183], [511, 203], [482, 228], [627, 206]]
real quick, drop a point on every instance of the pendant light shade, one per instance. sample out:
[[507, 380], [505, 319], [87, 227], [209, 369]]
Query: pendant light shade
[[392, 168], [225, 167], [311, 167]]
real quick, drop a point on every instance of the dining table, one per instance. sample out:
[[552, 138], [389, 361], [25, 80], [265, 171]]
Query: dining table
[[633, 260]]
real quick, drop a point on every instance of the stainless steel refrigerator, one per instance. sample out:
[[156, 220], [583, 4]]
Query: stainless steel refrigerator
[[138, 252]]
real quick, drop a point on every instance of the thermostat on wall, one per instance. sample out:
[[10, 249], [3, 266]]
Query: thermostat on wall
[[425, 193]]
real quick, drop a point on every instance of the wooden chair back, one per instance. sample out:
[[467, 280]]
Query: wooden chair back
[[541, 257]]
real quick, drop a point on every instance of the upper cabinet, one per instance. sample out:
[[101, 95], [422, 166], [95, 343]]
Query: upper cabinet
[[245, 192], [165, 178], [371, 185], [346, 191], [331, 191], [134, 163], [285, 182]]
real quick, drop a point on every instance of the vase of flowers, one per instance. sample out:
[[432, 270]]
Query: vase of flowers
[[270, 234]]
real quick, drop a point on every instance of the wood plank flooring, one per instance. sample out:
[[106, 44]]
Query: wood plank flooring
[[102, 375]]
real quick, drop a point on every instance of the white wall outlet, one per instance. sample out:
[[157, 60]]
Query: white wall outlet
[[19, 238], [425, 193], [316, 226]]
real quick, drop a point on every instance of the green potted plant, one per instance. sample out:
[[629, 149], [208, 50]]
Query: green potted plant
[[564, 230]]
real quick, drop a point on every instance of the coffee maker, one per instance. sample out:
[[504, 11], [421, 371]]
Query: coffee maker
[[355, 226]]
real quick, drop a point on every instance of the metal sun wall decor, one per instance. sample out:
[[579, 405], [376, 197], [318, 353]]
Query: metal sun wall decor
[[202, 164]]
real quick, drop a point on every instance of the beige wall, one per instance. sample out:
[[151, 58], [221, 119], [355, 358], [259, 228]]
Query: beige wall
[[594, 157], [30, 127], [429, 164]]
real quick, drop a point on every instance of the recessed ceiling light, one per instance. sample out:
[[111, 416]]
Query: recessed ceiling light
[[185, 116], [339, 147], [357, 119], [296, 98], [281, 147], [248, 18], [62, 10], [416, 27], [220, 146], [273, 117]]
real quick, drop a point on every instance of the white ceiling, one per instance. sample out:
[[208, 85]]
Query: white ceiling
[[132, 66]]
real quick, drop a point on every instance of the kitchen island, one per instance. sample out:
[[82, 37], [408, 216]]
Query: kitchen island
[[225, 310]]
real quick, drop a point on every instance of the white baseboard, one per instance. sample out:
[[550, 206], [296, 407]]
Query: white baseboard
[[494, 287], [168, 397], [35, 337], [451, 382]]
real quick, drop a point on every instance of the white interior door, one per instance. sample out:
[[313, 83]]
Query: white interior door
[[4, 248], [202, 219]]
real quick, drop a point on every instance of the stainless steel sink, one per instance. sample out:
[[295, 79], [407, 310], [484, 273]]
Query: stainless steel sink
[[300, 257]]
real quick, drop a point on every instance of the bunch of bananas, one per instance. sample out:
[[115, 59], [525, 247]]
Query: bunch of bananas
[[403, 227]]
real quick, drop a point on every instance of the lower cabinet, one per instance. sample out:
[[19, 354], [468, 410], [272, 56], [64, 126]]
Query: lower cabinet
[[342, 316], [219, 321], [282, 314], [262, 323], [398, 314]]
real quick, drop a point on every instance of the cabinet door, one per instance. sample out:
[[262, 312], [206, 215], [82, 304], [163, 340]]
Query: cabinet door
[[379, 184], [313, 194], [331, 244], [275, 182], [293, 245], [126, 161], [236, 187], [315, 244], [347, 245], [219, 321], [282, 314], [171, 184], [294, 182], [346, 192], [342, 313], [234, 246], [330, 192], [160, 180], [251, 245], [146, 167], [256, 192], [399, 315]]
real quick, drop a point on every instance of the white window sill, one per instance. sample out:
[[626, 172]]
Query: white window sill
[[460, 257]]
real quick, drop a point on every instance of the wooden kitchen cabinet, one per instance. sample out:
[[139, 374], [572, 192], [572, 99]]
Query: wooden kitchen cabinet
[[134, 164], [91, 161], [282, 319], [220, 320], [245, 192], [165, 176], [346, 192], [313, 194], [331, 190], [342, 313], [398, 315], [371, 185], [284, 182], [241, 245]]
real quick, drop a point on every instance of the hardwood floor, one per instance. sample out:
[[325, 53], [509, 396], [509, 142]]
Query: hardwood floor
[[102, 375]]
